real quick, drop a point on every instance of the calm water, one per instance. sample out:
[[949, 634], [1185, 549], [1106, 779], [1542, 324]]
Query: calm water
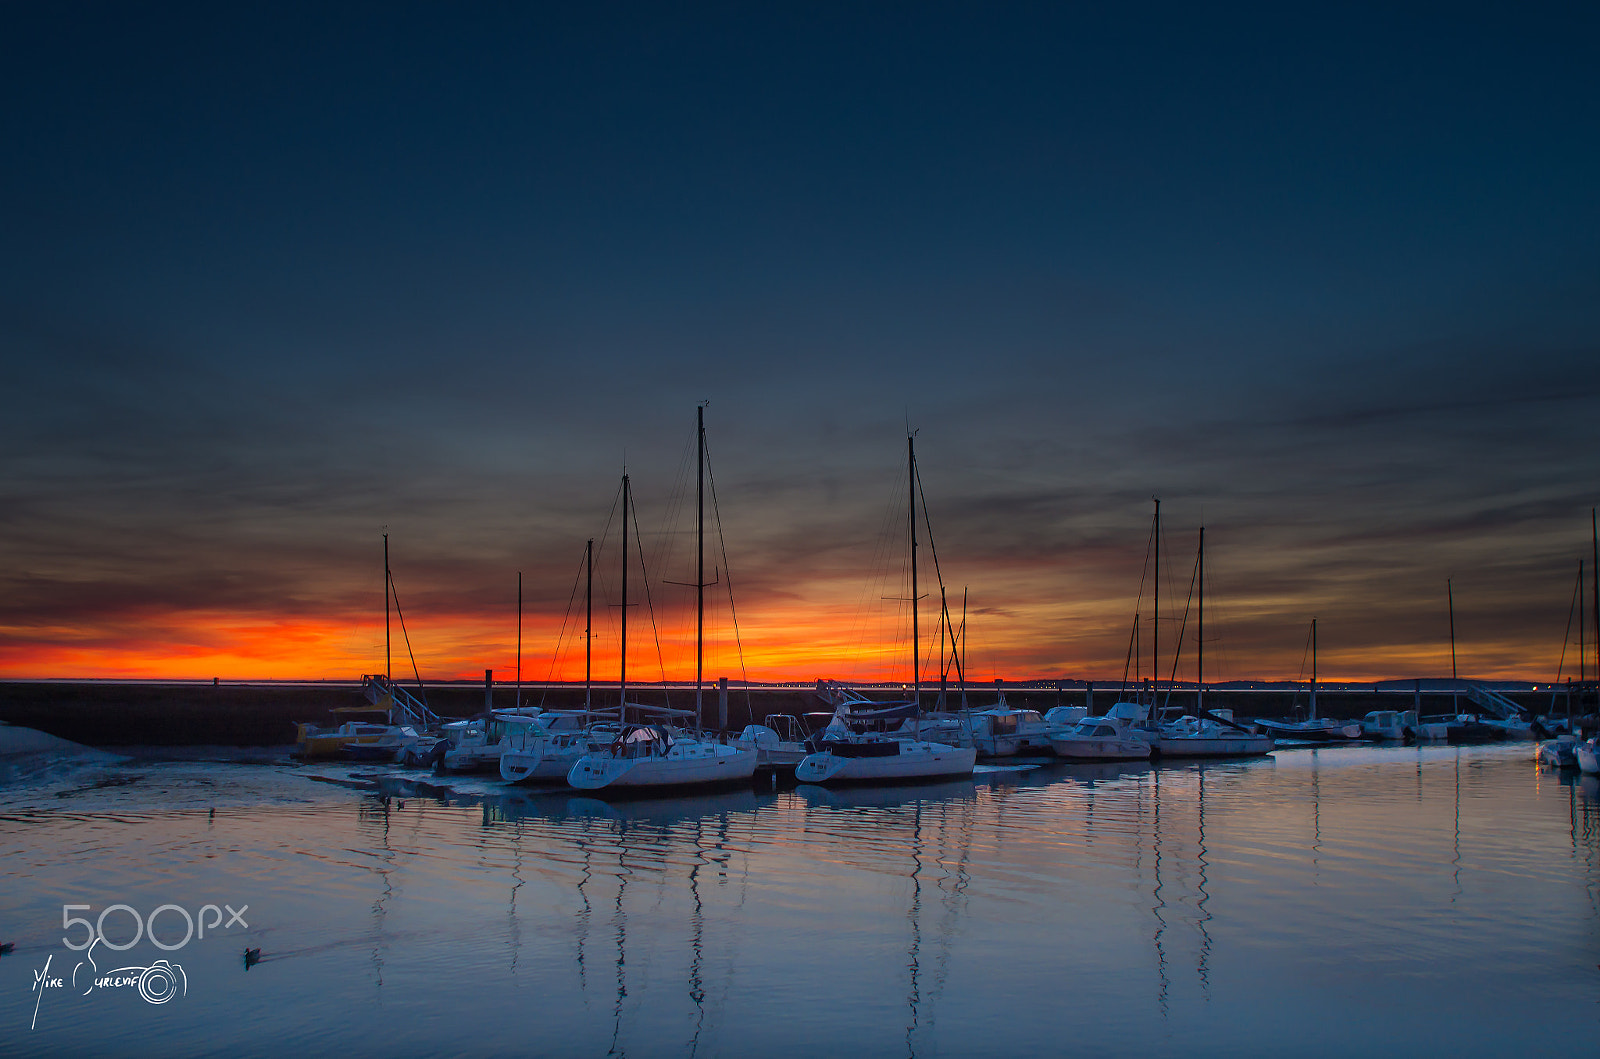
[[1334, 902]]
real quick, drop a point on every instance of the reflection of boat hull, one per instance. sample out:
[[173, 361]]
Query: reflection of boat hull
[[1242, 744], [1311, 731], [1110, 748], [907, 761], [684, 765]]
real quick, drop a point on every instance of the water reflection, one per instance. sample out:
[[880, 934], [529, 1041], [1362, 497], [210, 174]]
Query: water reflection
[[872, 921]]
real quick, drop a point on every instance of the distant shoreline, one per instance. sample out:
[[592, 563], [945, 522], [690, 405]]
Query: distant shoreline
[[149, 713]]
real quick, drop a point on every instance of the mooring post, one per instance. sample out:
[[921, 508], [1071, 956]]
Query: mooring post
[[722, 704], [488, 690], [1088, 696]]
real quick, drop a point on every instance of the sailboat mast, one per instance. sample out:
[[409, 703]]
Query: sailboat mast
[[588, 624], [519, 639], [1450, 598], [1155, 615], [1594, 587], [1313, 669], [388, 581], [700, 562], [911, 522], [1200, 631], [622, 658]]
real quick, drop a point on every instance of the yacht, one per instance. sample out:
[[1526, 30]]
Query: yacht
[[653, 755], [1587, 755], [475, 745], [1001, 731], [843, 756], [1117, 736], [779, 742], [1214, 735], [542, 749], [1389, 724]]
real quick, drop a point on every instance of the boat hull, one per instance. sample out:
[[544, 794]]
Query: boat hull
[[1587, 756], [914, 761], [682, 767], [1102, 749]]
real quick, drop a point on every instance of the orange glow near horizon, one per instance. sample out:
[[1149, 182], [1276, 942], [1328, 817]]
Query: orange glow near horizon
[[830, 641]]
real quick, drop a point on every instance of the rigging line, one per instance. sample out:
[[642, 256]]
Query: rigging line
[[1566, 637], [648, 601], [561, 636], [1294, 703], [600, 568], [1178, 650], [407, 637], [733, 613], [938, 573], [1127, 663]]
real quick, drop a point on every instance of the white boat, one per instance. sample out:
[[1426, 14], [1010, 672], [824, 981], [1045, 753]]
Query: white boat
[[1559, 753], [780, 743], [846, 754], [652, 755], [1587, 755], [1389, 724], [1001, 731], [845, 757], [542, 749], [644, 756], [475, 745], [1113, 737], [1314, 730], [1211, 736]]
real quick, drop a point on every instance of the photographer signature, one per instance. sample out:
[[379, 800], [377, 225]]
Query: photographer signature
[[156, 983]]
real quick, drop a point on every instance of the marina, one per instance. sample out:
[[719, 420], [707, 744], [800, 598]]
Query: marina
[[1354, 899]]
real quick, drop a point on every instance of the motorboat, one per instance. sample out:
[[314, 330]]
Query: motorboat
[[314, 741], [1315, 730], [1213, 735], [653, 755], [475, 745], [1001, 731], [1116, 736], [1065, 717], [1389, 724], [1560, 753], [1464, 728], [1587, 755], [867, 757], [542, 749], [779, 742], [391, 746]]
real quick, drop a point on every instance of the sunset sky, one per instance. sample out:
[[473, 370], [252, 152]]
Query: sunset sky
[[277, 278]]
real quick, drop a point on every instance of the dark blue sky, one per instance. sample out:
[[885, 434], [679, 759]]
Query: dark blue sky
[[1326, 277]]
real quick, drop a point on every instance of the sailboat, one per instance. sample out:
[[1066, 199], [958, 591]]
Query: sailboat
[[658, 755], [1313, 729], [847, 754], [1204, 733], [543, 748]]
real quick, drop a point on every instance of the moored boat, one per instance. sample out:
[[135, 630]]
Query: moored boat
[[843, 757], [1214, 735], [652, 755], [1114, 737]]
